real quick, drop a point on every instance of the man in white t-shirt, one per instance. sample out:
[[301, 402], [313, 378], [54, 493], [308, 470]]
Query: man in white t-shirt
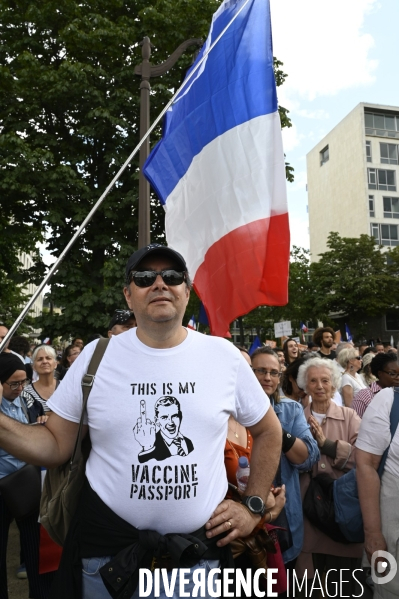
[[379, 499], [169, 494]]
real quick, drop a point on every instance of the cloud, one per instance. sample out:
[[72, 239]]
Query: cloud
[[291, 138], [322, 45], [299, 230], [300, 181], [314, 114]]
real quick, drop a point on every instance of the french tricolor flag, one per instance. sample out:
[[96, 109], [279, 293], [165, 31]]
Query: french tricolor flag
[[192, 324], [219, 170]]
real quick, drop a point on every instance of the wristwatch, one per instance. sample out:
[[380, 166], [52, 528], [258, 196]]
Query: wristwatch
[[255, 504]]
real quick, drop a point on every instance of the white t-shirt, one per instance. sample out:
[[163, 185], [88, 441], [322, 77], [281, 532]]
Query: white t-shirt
[[141, 473], [375, 435], [352, 381], [319, 417]]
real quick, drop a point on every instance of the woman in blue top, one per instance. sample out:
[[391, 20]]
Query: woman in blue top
[[299, 450]]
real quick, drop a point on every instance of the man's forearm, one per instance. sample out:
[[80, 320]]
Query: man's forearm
[[265, 457], [368, 483], [33, 444]]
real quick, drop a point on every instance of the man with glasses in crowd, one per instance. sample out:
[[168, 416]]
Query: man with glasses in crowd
[[169, 513]]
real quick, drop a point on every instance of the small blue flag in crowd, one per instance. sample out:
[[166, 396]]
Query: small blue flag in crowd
[[348, 333], [255, 344]]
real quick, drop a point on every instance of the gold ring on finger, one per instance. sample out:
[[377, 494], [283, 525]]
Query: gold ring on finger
[[229, 524]]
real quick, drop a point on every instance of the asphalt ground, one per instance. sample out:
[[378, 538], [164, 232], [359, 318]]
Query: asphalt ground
[[17, 588]]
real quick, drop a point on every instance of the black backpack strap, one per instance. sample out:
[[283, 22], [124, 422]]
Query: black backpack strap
[[394, 421], [87, 384]]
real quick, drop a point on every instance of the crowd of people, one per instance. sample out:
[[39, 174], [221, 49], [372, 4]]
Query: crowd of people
[[153, 475]]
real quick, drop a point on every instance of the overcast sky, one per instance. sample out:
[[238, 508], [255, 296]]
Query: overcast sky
[[336, 54]]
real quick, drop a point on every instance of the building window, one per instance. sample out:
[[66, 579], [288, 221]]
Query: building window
[[389, 153], [385, 234], [371, 206], [324, 155], [375, 232], [382, 125], [391, 207], [392, 321], [381, 179], [368, 151]]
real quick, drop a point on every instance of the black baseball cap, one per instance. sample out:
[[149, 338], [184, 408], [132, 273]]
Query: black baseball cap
[[120, 317], [154, 248]]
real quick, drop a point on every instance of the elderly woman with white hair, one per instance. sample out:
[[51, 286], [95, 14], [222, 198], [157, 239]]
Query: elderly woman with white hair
[[351, 383], [44, 363], [335, 429]]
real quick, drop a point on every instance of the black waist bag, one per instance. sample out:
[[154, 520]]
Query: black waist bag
[[318, 507]]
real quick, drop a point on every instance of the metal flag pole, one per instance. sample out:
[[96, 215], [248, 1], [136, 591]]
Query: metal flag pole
[[96, 206]]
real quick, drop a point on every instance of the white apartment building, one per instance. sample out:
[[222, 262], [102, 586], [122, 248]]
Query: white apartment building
[[353, 178]]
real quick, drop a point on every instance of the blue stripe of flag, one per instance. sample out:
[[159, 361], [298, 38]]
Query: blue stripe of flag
[[237, 84]]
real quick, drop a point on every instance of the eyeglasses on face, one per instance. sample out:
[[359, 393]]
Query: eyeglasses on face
[[14, 386], [358, 358], [263, 372], [146, 278], [392, 374]]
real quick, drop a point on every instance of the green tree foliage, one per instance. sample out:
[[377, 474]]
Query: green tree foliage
[[283, 112], [15, 237], [69, 115], [69, 118], [354, 277]]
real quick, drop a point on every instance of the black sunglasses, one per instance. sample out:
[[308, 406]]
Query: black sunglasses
[[146, 278]]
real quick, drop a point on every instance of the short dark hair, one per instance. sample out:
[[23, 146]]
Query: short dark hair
[[318, 334], [368, 350], [380, 361], [19, 344], [66, 353], [264, 350]]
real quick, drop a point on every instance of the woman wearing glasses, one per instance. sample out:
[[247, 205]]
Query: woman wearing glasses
[[352, 382], [239, 444], [68, 357], [385, 369], [12, 381], [299, 450]]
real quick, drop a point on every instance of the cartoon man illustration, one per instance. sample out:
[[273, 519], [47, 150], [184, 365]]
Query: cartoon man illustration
[[162, 438]]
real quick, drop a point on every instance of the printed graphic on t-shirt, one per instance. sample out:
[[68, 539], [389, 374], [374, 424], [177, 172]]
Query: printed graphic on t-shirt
[[161, 437]]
